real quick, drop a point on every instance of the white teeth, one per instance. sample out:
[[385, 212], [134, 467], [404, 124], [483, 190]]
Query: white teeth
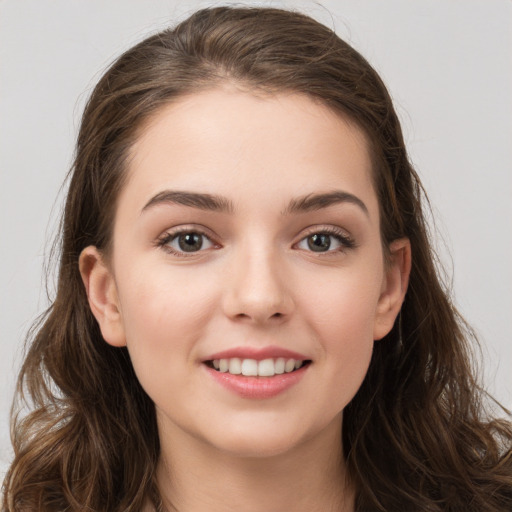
[[279, 365], [266, 368], [252, 368], [235, 366], [289, 365]]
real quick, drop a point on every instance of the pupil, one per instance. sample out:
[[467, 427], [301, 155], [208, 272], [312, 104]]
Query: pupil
[[319, 243], [190, 242]]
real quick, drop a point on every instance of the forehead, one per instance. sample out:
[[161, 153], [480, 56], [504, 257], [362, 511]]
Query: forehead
[[225, 139]]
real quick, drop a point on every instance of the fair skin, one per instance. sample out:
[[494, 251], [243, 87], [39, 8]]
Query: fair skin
[[287, 257]]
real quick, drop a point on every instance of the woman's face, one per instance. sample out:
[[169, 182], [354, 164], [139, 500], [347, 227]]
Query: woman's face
[[246, 239]]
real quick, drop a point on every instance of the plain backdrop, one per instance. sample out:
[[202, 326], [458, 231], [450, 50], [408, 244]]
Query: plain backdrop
[[449, 69]]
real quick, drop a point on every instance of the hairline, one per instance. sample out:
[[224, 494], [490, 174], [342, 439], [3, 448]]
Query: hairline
[[224, 79]]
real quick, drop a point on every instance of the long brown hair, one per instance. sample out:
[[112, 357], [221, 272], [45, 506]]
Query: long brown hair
[[416, 436]]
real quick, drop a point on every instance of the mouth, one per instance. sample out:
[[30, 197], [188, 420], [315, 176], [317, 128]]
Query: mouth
[[257, 368]]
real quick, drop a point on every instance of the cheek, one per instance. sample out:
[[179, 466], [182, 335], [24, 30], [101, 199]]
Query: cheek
[[342, 316], [164, 313], [343, 306]]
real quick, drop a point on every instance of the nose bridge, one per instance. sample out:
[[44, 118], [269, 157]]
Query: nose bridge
[[257, 287]]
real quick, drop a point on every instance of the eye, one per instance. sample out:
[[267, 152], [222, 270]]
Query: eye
[[325, 241], [185, 242]]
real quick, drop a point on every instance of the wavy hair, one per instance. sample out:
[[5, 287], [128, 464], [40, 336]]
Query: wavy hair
[[417, 435]]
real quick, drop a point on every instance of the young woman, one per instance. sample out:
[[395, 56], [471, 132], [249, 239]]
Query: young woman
[[248, 314]]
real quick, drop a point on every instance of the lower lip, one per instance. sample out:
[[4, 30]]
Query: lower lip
[[258, 388]]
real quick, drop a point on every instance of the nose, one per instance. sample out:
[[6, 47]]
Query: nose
[[257, 290]]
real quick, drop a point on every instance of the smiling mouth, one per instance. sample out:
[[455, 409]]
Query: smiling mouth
[[254, 368]]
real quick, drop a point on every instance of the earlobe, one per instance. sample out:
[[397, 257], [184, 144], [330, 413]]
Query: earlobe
[[394, 287], [101, 292]]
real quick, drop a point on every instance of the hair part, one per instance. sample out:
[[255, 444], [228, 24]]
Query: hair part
[[415, 435]]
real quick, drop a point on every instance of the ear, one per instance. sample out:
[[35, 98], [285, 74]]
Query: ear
[[394, 287], [101, 292]]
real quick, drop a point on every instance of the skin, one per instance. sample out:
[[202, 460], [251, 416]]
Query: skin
[[255, 282]]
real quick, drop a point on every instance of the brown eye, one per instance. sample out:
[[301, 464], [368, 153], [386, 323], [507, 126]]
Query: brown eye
[[185, 242], [190, 242], [319, 242], [325, 241]]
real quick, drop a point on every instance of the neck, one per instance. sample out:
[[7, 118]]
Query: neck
[[194, 477]]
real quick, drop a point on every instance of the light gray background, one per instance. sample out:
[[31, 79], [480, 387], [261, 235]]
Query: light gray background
[[447, 65]]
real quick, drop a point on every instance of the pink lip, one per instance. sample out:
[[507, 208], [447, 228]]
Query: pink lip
[[257, 387], [257, 353]]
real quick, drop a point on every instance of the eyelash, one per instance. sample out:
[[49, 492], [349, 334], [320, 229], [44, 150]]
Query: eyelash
[[345, 241], [168, 237], [165, 240]]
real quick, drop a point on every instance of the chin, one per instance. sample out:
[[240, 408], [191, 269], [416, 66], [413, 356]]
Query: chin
[[250, 438], [257, 447]]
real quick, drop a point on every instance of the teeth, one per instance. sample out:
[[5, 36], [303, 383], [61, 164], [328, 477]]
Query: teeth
[[224, 365], [235, 366], [279, 364], [289, 365], [249, 367], [266, 368], [253, 368]]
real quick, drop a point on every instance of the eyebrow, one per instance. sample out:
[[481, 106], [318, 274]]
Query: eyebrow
[[312, 202], [192, 199], [203, 201]]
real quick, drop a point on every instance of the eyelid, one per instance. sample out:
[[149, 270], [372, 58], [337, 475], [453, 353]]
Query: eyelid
[[344, 237], [170, 234]]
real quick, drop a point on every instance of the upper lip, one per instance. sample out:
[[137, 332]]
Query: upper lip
[[270, 352]]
